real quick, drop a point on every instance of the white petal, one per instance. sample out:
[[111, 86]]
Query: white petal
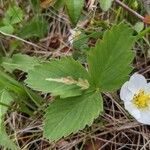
[[137, 82], [147, 88], [145, 117], [133, 110], [125, 93], [142, 116]]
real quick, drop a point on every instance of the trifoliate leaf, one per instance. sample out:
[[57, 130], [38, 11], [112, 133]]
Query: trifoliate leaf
[[66, 116], [65, 77], [20, 61], [105, 4], [110, 60], [74, 9]]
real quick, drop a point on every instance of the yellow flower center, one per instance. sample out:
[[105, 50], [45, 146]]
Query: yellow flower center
[[141, 100]]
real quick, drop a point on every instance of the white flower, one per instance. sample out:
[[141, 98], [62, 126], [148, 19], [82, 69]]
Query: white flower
[[136, 96], [75, 33]]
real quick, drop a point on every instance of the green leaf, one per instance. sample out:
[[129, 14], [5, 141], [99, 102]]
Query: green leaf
[[105, 4], [35, 6], [139, 26], [59, 3], [5, 101], [20, 61], [5, 140], [74, 9], [37, 27], [81, 42], [65, 77], [18, 89], [110, 60], [13, 15], [9, 29], [66, 116]]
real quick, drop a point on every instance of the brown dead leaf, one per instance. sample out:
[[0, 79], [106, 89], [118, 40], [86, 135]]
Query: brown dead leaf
[[146, 19], [54, 42]]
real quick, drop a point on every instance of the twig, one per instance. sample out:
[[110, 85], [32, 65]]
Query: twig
[[20, 39], [129, 9]]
